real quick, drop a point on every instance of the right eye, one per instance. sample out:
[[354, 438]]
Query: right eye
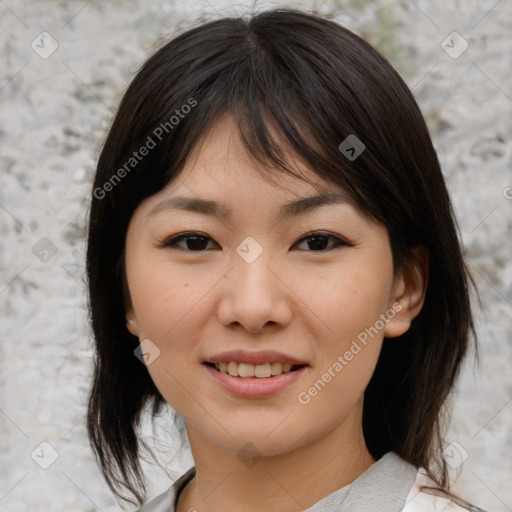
[[194, 241]]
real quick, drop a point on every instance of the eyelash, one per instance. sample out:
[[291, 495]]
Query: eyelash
[[171, 243]]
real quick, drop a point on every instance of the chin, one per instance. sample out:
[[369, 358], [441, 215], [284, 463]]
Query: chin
[[264, 439]]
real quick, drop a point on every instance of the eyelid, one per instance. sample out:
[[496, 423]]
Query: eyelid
[[171, 241], [322, 232]]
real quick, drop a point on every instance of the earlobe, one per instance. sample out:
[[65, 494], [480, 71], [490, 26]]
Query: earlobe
[[131, 325], [131, 322], [409, 293]]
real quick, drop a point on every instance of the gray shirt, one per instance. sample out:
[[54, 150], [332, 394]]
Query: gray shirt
[[384, 487]]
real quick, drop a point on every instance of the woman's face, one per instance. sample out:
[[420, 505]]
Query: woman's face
[[249, 280]]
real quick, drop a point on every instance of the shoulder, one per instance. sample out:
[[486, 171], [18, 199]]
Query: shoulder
[[165, 502], [420, 500], [162, 503]]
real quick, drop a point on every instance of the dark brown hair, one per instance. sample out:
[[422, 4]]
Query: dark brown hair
[[316, 83]]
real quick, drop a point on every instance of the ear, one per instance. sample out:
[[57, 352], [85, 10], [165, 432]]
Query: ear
[[409, 291], [131, 321]]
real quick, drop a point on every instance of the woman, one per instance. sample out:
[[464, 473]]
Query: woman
[[273, 253]]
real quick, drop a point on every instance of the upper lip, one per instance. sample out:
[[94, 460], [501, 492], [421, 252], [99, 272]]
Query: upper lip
[[262, 357]]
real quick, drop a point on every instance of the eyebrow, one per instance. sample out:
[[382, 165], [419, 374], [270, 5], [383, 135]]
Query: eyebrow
[[214, 208]]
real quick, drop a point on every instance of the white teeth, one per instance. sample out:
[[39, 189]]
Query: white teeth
[[262, 371], [276, 368], [247, 370], [233, 369]]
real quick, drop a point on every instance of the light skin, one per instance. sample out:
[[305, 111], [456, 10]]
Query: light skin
[[309, 301]]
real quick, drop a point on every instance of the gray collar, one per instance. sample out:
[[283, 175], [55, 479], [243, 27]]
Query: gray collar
[[384, 487]]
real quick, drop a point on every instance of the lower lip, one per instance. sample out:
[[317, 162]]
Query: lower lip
[[254, 387]]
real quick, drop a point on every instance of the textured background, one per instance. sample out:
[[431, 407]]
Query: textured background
[[54, 113]]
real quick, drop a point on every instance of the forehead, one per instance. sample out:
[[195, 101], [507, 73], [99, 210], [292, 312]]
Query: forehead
[[221, 179], [221, 159]]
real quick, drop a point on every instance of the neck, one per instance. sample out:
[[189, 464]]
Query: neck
[[287, 482]]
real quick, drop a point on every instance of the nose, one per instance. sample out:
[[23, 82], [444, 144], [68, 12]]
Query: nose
[[254, 295]]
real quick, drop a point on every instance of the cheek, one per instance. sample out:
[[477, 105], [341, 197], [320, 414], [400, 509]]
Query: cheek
[[350, 301], [346, 357], [152, 296], [165, 296], [170, 308], [349, 304]]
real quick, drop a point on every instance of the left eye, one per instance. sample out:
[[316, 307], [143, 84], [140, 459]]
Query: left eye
[[317, 241]]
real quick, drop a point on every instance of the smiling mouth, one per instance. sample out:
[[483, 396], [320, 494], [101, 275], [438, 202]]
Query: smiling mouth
[[260, 371]]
